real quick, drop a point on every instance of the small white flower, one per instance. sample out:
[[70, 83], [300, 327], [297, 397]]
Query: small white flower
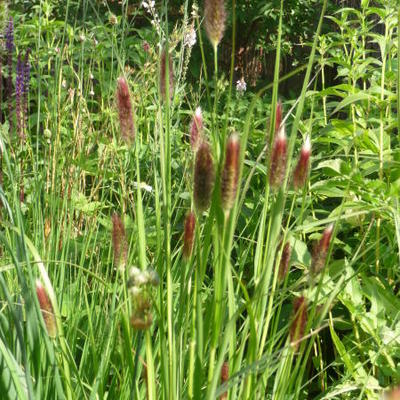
[[144, 186], [91, 77], [241, 85], [190, 38], [82, 37], [91, 93], [145, 5], [152, 3], [134, 272]]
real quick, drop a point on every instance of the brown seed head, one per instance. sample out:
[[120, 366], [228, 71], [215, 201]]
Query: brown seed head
[[321, 250], [120, 245], [230, 173], [47, 309], [125, 111], [204, 177], [163, 74], [277, 168], [188, 235], [301, 170], [299, 322], [214, 17], [196, 129]]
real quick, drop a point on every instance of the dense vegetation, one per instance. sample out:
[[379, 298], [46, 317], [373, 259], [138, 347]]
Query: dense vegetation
[[199, 201]]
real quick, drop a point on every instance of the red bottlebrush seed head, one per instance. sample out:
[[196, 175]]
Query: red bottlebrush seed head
[[188, 235], [298, 326], [47, 309], [196, 129], [163, 76], [204, 177], [393, 394], [278, 159], [321, 250], [278, 116], [285, 260], [301, 170], [230, 173], [125, 111], [224, 378], [120, 245], [214, 17]]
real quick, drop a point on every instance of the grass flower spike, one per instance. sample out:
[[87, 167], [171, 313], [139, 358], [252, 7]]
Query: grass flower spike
[[215, 18], [196, 129], [125, 111], [120, 245], [47, 309], [285, 260], [163, 76], [321, 250], [188, 235], [230, 173], [299, 322], [204, 177], [301, 170], [278, 159]]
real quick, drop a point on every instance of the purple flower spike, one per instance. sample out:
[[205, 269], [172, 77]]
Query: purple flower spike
[[9, 35]]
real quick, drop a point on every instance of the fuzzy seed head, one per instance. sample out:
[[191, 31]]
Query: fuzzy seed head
[[125, 111], [321, 250], [215, 18], [196, 129], [298, 326], [393, 394], [278, 159], [204, 177], [188, 235], [303, 165], [47, 309], [163, 76], [120, 245], [230, 173]]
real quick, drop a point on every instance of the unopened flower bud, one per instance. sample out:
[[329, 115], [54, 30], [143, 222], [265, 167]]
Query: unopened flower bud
[[204, 177], [196, 129], [125, 111], [230, 173], [277, 168], [47, 309], [299, 322], [163, 76], [301, 170], [188, 235], [214, 17], [321, 250]]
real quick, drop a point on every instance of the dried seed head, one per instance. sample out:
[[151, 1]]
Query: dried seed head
[[224, 378], [196, 129], [278, 116], [230, 173], [120, 245], [285, 260], [321, 250], [47, 309], [299, 322], [163, 76], [214, 17], [141, 322], [204, 177], [277, 168], [301, 170], [125, 111], [188, 235]]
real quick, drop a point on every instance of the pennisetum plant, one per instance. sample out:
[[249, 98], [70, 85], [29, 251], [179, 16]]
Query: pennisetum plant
[[125, 111], [119, 241]]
